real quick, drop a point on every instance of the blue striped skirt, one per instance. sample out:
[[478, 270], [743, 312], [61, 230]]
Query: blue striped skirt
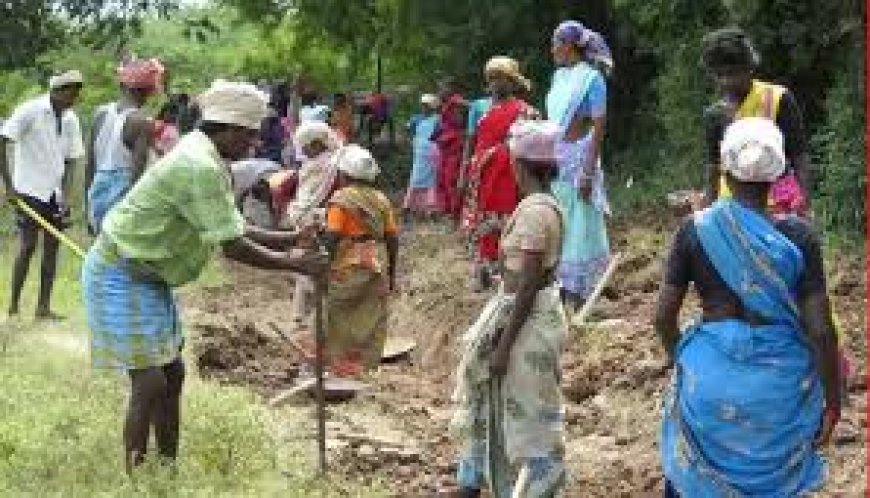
[[133, 318]]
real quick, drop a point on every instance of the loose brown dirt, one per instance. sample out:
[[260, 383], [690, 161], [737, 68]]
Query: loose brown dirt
[[614, 371]]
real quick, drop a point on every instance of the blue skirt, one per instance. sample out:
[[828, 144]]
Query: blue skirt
[[109, 187], [743, 412], [585, 247], [133, 318]]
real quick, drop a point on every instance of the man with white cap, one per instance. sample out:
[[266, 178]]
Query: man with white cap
[[45, 138], [756, 389], [160, 236]]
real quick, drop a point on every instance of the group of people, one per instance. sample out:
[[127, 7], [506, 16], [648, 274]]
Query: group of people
[[757, 378], [157, 217]]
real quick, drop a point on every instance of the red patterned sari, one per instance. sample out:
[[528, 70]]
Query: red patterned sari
[[491, 195]]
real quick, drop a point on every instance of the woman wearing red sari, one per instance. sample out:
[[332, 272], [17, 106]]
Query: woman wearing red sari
[[449, 137], [490, 188]]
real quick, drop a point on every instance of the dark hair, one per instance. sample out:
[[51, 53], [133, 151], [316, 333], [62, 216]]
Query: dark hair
[[728, 47], [168, 113], [544, 172], [212, 128]]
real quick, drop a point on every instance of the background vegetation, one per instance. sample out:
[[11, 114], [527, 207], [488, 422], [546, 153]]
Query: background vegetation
[[816, 47]]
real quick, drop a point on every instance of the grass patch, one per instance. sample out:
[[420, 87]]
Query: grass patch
[[60, 421]]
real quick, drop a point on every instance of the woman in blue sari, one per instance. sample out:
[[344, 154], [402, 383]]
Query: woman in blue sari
[[756, 387], [577, 101]]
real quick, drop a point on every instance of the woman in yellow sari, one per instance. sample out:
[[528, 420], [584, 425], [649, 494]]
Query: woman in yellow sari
[[362, 240]]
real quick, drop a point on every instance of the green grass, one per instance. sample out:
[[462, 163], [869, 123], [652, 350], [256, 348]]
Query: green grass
[[60, 421]]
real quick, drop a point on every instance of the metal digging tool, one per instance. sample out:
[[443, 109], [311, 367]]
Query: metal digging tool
[[320, 290], [49, 227]]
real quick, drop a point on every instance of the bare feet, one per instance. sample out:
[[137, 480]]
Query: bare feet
[[49, 315]]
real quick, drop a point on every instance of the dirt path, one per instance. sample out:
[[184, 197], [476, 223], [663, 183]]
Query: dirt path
[[614, 373]]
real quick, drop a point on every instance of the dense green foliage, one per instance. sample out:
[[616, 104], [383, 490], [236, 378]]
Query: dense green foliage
[[657, 91]]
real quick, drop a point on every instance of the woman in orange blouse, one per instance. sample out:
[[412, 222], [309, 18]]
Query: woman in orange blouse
[[362, 239]]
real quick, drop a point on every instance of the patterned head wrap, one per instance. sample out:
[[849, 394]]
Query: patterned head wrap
[[594, 47], [534, 141], [68, 78], [141, 74], [752, 150], [316, 131], [239, 104], [357, 163], [508, 67]]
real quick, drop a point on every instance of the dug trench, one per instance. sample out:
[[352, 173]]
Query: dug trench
[[614, 371]]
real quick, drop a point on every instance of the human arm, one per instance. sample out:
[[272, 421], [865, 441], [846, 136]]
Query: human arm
[[245, 250], [790, 121], [139, 138], [675, 283], [817, 324], [714, 128], [13, 130], [277, 239], [392, 242], [819, 329], [91, 161], [5, 148], [529, 282], [592, 110]]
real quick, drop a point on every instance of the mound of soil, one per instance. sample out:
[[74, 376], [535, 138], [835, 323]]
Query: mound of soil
[[614, 371]]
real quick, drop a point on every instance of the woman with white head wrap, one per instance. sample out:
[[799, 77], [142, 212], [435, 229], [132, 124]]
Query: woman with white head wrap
[[509, 411], [160, 236], [757, 387], [362, 240]]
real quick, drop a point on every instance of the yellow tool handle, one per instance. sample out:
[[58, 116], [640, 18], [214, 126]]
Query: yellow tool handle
[[49, 227]]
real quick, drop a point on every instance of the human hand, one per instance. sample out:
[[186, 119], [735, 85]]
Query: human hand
[[308, 262], [826, 431], [585, 189], [9, 195], [498, 361]]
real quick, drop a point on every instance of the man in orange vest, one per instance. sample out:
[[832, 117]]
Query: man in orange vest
[[730, 58]]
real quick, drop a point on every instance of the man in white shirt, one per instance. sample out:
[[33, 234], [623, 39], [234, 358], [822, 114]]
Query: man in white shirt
[[44, 136]]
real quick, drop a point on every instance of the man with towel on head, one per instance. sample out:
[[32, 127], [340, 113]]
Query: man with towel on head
[[45, 138], [160, 236], [121, 140]]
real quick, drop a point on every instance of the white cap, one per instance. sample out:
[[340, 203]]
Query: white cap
[[73, 77], [752, 150], [357, 162], [240, 104]]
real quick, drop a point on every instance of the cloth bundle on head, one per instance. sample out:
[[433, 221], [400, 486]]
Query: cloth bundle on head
[[534, 141], [68, 78], [430, 100], [141, 74], [316, 131], [357, 163], [593, 44], [239, 104], [509, 67], [752, 150]]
